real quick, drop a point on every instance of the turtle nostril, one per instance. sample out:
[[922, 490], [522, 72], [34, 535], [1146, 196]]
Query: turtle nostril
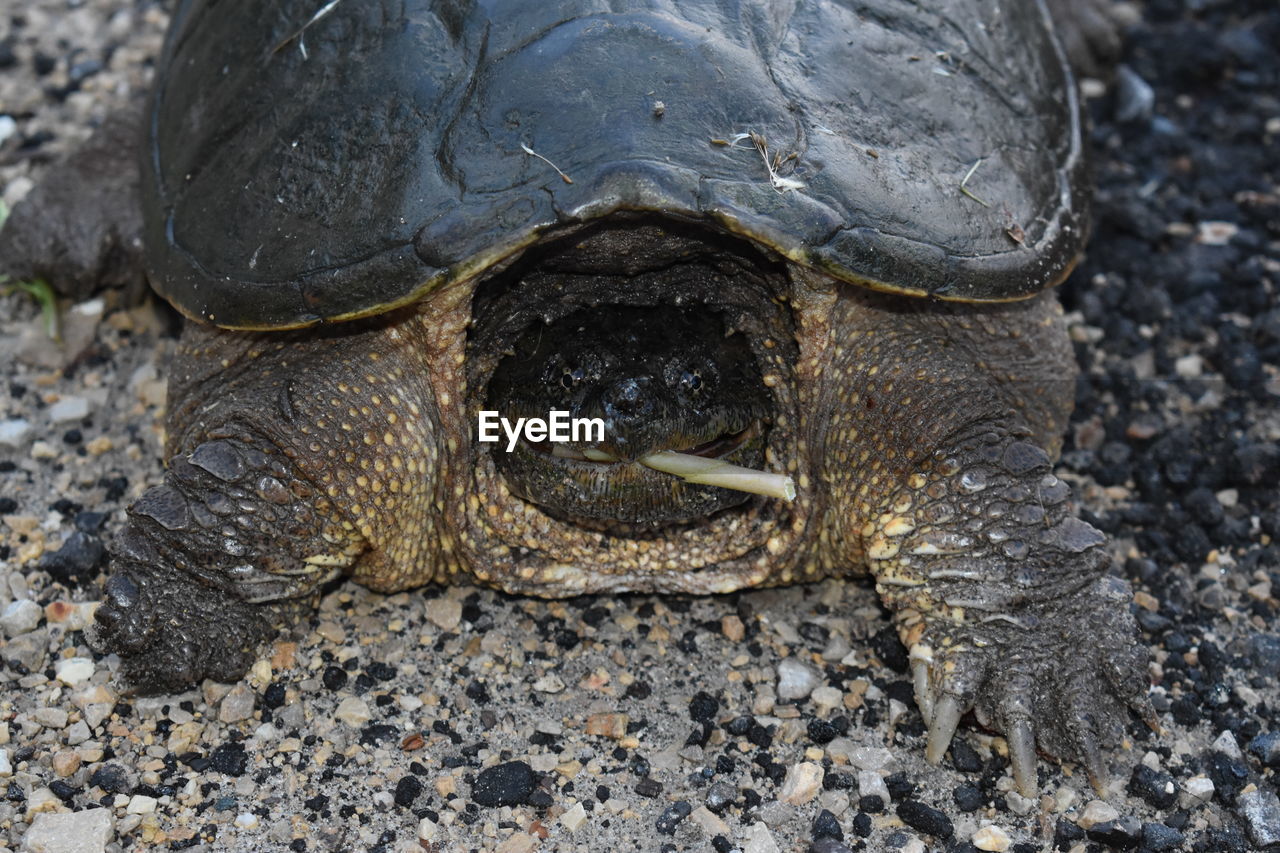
[[628, 399]]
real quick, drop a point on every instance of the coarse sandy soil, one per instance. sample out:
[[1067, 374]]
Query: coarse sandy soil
[[654, 723]]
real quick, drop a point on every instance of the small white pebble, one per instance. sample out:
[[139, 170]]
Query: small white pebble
[[1019, 804], [1189, 366], [428, 829], [73, 671], [574, 817], [1196, 791], [760, 840], [802, 784], [991, 838], [69, 409], [1096, 812], [1226, 744], [19, 617], [43, 450], [826, 699], [353, 711], [247, 820], [1213, 233], [50, 718], [141, 804], [711, 824], [6, 769], [870, 758], [796, 680], [14, 432], [549, 683], [444, 613]]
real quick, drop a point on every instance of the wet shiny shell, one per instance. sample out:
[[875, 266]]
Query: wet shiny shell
[[313, 161]]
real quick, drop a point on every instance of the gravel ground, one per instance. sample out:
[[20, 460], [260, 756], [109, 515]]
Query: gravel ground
[[777, 720]]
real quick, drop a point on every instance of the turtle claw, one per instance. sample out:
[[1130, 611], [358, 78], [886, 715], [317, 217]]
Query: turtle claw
[[946, 717], [1094, 767], [1058, 678], [1022, 755]]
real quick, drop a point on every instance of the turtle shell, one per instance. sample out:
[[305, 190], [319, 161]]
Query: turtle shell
[[313, 160]]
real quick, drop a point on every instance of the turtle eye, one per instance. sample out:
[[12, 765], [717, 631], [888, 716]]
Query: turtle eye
[[572, 377], [691, 380]]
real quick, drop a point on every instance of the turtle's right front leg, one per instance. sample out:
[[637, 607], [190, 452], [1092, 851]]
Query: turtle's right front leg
[[295, 458], [232, 547]]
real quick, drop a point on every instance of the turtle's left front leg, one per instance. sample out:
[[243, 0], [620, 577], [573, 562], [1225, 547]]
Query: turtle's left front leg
[[941, 423], [1002, 597]]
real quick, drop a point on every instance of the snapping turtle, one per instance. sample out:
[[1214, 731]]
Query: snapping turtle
[[815, 238]]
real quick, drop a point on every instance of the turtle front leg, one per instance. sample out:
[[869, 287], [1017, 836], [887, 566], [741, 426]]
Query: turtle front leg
[[296, 457], [940, 424], [1002, 597], [231, 548]]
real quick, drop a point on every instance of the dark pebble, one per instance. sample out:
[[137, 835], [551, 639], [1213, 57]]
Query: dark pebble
[[720, 844], [720, 796], [1204, 506], [89, 522], [334, 678], [835, 781], [1266, 747], [77, 560], [968, 798], [889, 649], [230, 758], [964, 757], [703, 707], [381, 671], [871, 803], [1157, 837], [1228, 775], [861, 825], [648, 787], [1264, 653], [816, 634], [926, 819], [376, 733], [1153, 786], [825, 825], [739, 726], [1123, 834], [407, 790], [63, 791], [504, 784], [111, 778], [42, 63], [273, 697], [671, 817], [1066, 835], [820, 731], [900, 787]]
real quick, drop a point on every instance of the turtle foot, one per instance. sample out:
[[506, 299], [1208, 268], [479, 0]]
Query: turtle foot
[[1058, 676]]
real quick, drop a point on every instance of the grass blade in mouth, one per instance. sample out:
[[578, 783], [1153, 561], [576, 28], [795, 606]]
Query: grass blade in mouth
[[711, 472]]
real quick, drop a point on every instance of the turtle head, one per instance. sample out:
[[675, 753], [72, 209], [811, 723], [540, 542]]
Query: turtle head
[[631, 381]]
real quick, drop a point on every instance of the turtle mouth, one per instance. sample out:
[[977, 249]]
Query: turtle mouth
[[719, 447]]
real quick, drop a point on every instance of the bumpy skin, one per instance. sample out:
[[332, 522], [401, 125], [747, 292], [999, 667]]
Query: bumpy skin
[[925, 433]]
